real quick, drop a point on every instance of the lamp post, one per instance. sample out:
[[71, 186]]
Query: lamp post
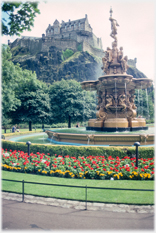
[[28, 143], [137, 144]]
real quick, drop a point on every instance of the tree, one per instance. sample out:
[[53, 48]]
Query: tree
[[35, 107], [11, 76], [24, 98], [67, 102], [20, 17]]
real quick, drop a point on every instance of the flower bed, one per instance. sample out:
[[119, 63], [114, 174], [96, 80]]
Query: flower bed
[[90, 167]]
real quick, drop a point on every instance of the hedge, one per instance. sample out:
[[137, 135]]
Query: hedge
[[144, 152]]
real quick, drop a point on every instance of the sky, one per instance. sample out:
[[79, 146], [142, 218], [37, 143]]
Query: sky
[[136, 19]]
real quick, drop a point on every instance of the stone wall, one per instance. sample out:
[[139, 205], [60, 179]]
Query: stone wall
[[33, 44], [61, 44], [95, 51], [132, 62], [72, 41]]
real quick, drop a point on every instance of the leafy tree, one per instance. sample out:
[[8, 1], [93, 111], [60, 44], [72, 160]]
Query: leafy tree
[[20, 17], [11, 76], [68, 101], [35, 107], [24, 98]]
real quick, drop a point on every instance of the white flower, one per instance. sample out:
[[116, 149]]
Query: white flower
[[111, 178], [6, 154], [43, 160], [127, 165], [14, 164]]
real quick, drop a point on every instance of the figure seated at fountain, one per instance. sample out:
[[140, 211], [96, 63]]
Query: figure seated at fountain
[[122, 101], [123, 61]]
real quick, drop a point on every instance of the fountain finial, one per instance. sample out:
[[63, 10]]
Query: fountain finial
[[111, 11]]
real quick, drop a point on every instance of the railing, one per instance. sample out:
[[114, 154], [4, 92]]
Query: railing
[[72, 186]]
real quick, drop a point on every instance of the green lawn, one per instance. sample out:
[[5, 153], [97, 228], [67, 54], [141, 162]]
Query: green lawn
[[22, 130], [96, 195]]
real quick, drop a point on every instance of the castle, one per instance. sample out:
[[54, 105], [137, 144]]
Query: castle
[[76, 35]]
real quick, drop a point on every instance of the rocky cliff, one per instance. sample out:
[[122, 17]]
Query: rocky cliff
[[53, 65]]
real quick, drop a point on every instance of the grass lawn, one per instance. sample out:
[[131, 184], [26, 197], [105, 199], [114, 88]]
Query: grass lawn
[[21, 130], [96, 195]]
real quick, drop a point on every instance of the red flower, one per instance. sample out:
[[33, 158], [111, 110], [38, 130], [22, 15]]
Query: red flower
[[74, 166], [104, 169], [135, 167], [142, 170], [151, 163]]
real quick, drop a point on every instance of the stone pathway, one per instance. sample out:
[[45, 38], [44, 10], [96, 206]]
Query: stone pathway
[[80, 205]]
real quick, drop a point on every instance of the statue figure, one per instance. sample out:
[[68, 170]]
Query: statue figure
[[114, 25], [120, 55], [122, 101], [99, 103], [109, 101], [131, 99], [122, 60], [107, 60], [114, 52]]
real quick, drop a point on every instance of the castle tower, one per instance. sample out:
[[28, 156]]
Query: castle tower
[[56, 27]]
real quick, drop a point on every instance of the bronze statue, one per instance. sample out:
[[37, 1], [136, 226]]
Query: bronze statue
[[114, 25]]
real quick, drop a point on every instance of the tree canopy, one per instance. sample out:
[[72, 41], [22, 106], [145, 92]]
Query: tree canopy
[[68, 102], [19, 17]]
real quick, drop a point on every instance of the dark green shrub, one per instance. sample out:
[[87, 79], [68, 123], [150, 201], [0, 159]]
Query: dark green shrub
[[79, 47], [75, 151], [67, 53]]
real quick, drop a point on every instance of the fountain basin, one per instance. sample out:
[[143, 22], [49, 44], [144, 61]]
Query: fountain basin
[[101, 139]]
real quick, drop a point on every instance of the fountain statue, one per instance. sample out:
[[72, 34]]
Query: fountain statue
[[116, 110]]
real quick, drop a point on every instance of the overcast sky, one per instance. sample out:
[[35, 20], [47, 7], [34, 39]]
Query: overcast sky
[[136, 32]]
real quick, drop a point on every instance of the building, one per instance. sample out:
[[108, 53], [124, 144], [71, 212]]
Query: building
[[76, 35], [77, 30]]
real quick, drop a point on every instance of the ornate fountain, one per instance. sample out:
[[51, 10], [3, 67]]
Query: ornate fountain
[[116, 110], [115, 91]]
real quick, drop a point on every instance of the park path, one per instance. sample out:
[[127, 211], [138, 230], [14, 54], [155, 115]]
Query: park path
[[38, 213]]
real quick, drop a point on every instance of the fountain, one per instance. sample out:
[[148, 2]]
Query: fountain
[[116, 110]]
